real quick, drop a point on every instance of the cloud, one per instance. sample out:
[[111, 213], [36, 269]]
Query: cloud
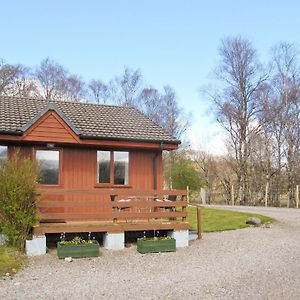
[[209, 137]]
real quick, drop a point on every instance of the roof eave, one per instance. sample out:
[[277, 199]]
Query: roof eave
[[10, 132], [138, 140]]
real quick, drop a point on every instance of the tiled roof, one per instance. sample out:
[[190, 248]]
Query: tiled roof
[[91, 120]]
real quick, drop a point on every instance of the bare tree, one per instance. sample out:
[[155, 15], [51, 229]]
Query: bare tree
[[173, 119], [100, 92], [126, 89], [56, 82], [73, 88], [285, 104], [150, 102], [238, 102], [15, 81]]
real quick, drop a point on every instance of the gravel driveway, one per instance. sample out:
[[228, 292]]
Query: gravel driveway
[[252, 263]]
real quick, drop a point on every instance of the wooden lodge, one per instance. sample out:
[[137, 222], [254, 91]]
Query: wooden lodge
[[101, 166]]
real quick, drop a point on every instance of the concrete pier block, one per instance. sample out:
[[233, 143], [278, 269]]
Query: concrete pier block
[[181, 237], [36, 246], [114, 241]]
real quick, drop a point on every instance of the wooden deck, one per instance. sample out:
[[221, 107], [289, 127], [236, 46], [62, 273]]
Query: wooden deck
[[118, 210]]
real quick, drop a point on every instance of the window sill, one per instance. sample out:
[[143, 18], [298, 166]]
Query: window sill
[[51, 186], [105, 186]]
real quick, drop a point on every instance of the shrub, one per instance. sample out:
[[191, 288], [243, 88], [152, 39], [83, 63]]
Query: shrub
[[18, 177], [183, 173]]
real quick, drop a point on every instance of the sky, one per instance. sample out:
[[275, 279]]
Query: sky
[[172, 42]]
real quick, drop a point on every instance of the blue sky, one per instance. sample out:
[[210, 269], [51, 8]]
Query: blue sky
[[172, 42]]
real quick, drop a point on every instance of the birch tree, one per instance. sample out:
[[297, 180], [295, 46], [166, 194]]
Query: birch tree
[[238, 102]]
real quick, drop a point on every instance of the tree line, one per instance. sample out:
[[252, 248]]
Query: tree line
[[51, 80], [258, 105]]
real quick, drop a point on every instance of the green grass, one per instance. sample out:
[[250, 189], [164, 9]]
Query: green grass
[[221, 220], [10, 260]]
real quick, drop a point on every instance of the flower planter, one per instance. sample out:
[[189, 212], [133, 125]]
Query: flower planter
[[156, 245], [78, 251]]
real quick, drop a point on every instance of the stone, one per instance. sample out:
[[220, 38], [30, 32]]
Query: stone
[[68, 259], [253, 221], [7, 274], [268, 225]]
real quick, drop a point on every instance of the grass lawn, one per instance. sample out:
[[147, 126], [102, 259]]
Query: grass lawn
[[220, 220], [10, 259]]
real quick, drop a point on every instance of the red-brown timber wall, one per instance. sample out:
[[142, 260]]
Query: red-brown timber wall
[[78, 170]]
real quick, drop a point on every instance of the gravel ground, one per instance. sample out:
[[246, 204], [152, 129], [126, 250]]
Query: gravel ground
[[252, 263]]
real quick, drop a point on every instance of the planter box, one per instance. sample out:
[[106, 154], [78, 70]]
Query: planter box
[[152, 246], [78, 251]]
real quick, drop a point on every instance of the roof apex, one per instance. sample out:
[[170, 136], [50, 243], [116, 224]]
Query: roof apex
[[49, 107]]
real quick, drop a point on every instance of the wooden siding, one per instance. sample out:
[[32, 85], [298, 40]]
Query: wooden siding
[[141, 173], [24, 151], [50, 128], [79, 171], [79, 167]]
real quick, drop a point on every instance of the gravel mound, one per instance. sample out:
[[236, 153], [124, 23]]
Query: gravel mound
[[252, 263]]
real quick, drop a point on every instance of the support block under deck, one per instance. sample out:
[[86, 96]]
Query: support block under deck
[[36, 246], [114, 241], [181, 237]]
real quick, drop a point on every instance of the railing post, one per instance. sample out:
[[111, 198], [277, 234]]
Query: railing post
[[114, 209], [297, 196], [183, 198], [188, 194]]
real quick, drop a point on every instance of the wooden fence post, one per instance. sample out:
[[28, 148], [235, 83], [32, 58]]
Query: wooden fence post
[[232, 195], [266, 194], [188, 194], [199, 223], [203, 196], [297, 196]]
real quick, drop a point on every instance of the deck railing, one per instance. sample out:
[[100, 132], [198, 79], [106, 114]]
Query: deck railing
[[115, 205]]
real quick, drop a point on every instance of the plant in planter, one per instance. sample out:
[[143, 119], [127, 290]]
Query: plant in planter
[[77, 248], [156, 244]]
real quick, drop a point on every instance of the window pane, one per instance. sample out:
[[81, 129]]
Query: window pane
[[48, 161], [3, 153], [121, 167], [103, 161]]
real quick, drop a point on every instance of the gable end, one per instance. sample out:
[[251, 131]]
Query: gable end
[[50, 127]]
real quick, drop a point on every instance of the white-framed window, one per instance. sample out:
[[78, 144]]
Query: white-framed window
[[113, 167], [48, 161]]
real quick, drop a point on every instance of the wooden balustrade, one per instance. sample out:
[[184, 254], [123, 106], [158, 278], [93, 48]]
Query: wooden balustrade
[[112, 205]]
